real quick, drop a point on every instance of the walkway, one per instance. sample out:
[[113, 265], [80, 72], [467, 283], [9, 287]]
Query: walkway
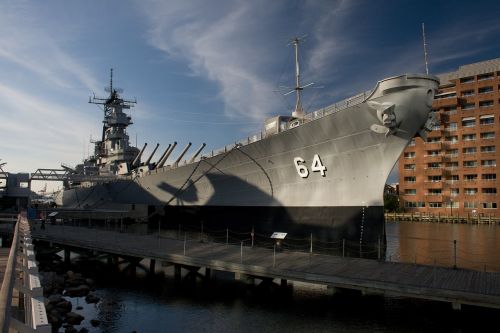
[[457, 286]]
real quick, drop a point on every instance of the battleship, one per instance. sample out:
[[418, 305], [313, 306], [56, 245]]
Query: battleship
[[320, 173]]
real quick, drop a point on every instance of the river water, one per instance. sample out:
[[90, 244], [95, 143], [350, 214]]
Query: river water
[[225, 305]]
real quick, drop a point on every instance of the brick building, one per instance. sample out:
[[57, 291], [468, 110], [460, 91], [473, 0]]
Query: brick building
[[455, 170]]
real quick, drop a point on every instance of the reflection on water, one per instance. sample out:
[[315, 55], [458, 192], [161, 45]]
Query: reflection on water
[[478, 246]]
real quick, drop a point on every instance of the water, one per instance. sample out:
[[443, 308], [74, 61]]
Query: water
[[225, 305]]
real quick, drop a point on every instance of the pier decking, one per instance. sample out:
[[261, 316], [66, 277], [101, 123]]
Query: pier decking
[[457, 286]]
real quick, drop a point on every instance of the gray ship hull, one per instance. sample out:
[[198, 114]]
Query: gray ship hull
[[324, 177]]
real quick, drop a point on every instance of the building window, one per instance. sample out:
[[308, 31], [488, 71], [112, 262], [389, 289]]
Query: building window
[[485, 90], [451, 127], [489, 176], [409, 167], [489, 205], [433, 165], [488, 135], [488, 163], [467, 79], [410, 191], [450, 110], [433, 140], [485, 104], [468, 106], [469, 137], [486, 76], [434, 191], [453, 204], [489, 190], [470, 164], [469, 122], [470, 191], [487, 119], [470, 204], [488, 149], [454, 192], [435, 204], [411, 179], [410, 154], [452, 152], [452, 139], [452, 165], [432, 153], [412, 204], [443, 95], [469, 150], [412, 143], [470, 177], [466, 93], [434, 179]]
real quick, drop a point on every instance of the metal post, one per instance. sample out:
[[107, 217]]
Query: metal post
[[343, 247], [201, 234], [311, 249], [253, 235], [179, 234], [227, 236], [185, 238], [241, 253], [378, 248], [274, 256], [455, 253]]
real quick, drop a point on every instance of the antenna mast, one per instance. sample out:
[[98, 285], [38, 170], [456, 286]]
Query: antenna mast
[[425, 50], [298, 112]]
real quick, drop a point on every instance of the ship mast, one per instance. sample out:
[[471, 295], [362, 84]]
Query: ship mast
[[298, 112]]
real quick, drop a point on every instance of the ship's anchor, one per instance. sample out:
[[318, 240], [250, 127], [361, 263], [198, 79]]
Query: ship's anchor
[[386, 115]]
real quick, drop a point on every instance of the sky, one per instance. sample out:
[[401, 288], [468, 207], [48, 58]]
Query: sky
[[208, 71]]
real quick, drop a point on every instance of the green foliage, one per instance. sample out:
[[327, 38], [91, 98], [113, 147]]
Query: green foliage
[[391, 203]]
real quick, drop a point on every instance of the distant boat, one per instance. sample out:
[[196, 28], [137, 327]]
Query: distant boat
[[321, 173]]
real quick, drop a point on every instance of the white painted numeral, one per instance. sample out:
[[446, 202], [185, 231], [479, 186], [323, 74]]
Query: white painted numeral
[[301, 168], [317, 166]]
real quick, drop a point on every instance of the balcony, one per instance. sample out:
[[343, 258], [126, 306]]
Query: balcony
[[434, 197], [433, 146], [433, 171], [433, 185], [433, 158]]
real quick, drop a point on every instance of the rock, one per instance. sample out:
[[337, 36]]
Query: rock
[[74, 318], [89, 281], [83, 330], [91, 298], [79, 307], [54, 299], [70, 329], [64, 306], [95, 322], [81, 290]]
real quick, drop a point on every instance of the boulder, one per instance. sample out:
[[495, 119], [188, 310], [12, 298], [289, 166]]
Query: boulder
[[64, 306], [70, 329], [81, 290], [83, 330], [74, 318], [95, 322], [91, 298]]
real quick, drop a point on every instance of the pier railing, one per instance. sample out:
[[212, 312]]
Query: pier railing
[[27, 283], [443, 218]]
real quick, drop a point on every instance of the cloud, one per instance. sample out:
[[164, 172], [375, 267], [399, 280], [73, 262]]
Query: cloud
[[226, 44], [33, 49]]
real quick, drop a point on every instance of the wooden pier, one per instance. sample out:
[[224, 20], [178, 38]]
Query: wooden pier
[[456, 286], [441, 218]]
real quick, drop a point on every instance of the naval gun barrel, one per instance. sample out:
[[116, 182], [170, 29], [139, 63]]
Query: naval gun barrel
[[182, 154], [197, 152], [137, 159], [163, 155], [151, 156], [166, 155]]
